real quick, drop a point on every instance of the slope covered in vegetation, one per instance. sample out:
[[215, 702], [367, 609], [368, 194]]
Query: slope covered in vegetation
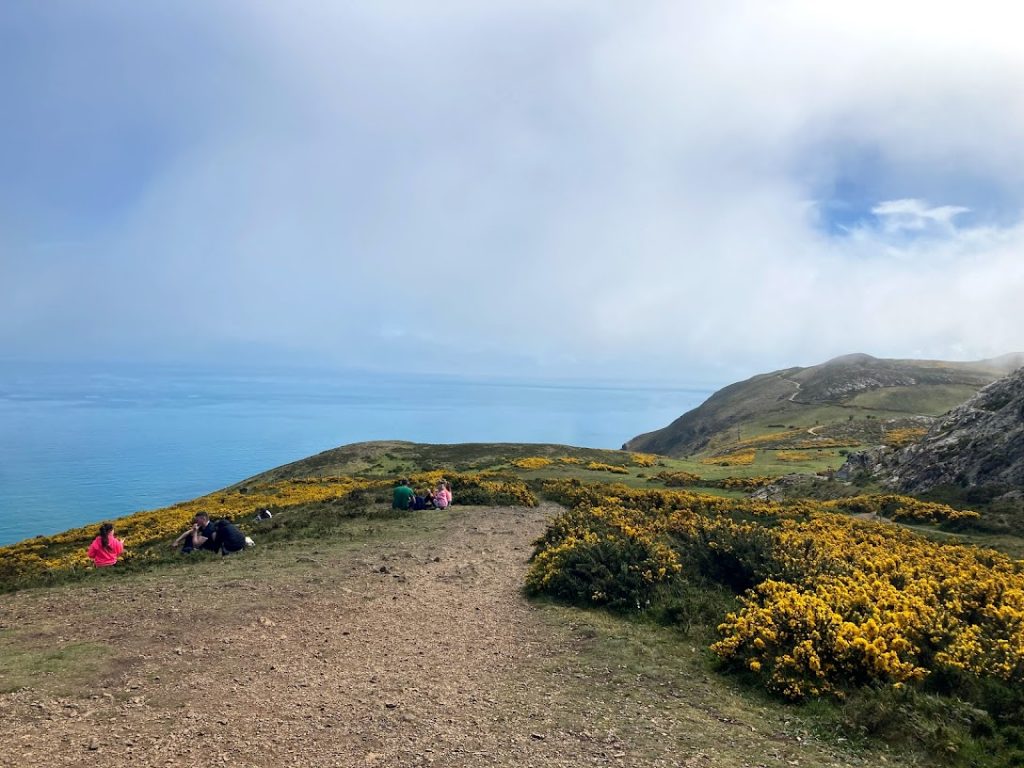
[[851, 401]]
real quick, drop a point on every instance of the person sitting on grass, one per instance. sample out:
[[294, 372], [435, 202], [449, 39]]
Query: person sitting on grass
[[106, 547], [199, 536], [403, 496], [226, 538], [441, 496], [423, 500]]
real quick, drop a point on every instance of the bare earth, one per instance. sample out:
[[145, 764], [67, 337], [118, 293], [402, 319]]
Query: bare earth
[[401, 643]]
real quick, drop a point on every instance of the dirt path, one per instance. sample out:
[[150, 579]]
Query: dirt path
[[410, 648]]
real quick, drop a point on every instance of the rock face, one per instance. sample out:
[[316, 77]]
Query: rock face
[[977, 444]]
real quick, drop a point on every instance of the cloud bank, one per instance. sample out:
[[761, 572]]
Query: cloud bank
[[665, 190]]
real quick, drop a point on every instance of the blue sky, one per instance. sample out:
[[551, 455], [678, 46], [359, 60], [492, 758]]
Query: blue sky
[[660, 190]]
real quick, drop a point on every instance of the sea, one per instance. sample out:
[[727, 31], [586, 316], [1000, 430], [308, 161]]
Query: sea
[[81, 444]]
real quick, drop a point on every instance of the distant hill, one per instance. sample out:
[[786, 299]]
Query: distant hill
[[854, 400], [979, 444]]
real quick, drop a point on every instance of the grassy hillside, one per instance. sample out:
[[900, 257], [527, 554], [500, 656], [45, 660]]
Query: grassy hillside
[[850, 402], [691, 614]]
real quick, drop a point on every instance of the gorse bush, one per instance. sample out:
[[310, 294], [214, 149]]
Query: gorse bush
[[601, 467], [828, 604], [532, 462], [734, 459], [643, 459], [678, 479], [897, 438], [902, 508], [600, 557]]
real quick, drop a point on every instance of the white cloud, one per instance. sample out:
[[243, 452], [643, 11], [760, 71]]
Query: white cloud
[[915, 215], [567, 186]]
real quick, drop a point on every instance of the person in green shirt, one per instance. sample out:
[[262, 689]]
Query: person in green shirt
[[402, 496]]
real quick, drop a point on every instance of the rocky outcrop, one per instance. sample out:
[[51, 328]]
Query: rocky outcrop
[[977, 444]]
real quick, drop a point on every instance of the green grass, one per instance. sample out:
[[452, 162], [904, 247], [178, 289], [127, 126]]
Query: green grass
[[31, 660], [928, 400], [652, 684]]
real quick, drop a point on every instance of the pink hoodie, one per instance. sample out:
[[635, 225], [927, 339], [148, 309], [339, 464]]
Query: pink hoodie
[[103, 556]]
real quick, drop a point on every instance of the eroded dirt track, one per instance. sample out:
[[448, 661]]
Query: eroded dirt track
[[395, 653]]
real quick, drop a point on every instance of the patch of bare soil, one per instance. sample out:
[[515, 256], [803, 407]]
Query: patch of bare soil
[[409, 644]]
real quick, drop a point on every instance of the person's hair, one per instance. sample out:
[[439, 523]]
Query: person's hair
[[204, 515], [105, 530]]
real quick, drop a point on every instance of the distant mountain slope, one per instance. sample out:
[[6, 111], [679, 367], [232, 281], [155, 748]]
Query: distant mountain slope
[[978, 444], [854, 398]]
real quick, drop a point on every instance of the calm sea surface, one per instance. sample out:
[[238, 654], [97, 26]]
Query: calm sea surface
[[82, 445]]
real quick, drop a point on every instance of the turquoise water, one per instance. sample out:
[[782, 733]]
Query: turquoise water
[[79, 445]]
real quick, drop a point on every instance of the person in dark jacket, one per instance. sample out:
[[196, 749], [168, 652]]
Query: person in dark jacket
[[220, 536], [196, 537], [227, 539]]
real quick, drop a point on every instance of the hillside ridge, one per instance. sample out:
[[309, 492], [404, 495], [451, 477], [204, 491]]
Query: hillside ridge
[[895, 393]]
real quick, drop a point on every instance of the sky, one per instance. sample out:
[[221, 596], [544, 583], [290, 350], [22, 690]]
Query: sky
[[679, 191]]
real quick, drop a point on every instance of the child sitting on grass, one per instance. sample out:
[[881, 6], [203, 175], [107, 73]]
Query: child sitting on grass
[[105, 548]]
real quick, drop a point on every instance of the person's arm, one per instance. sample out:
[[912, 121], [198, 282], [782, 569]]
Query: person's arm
[[198, 539], [177, 542]]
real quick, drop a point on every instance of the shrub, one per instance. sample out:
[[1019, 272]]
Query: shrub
[[599, 467], [532, 462]]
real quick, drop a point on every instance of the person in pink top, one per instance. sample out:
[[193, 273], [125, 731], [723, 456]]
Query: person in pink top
[[440, 496], [106, 547]]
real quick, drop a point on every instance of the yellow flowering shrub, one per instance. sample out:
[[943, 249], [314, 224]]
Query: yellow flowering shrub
[[793, 456], [741, 483], [599, 467], [766, 440], [734, 459], [605, 556], [902, 606], [897, 438], [643, 459], [828, 602], [678, 479], [902, 508], [532, 462], [823, 442]]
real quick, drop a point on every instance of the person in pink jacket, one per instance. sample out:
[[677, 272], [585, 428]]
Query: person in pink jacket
[[106, 547], [440, 497]]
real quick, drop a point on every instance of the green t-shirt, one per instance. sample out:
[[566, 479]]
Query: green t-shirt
[[402, 498]]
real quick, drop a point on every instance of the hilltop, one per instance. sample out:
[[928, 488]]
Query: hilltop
[[850, 401]]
